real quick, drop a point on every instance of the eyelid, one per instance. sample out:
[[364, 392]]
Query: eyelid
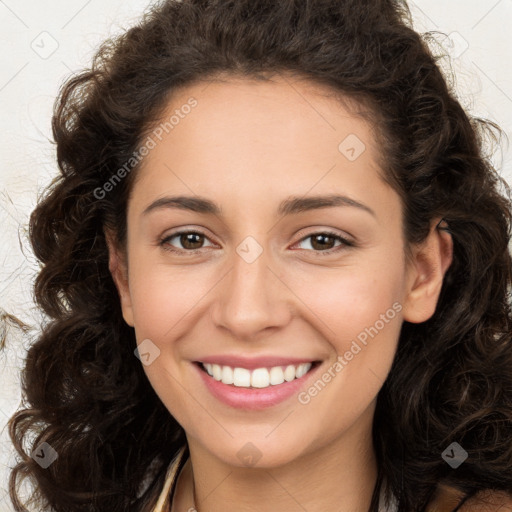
[[345, 242], [181, 231], [314, 230]]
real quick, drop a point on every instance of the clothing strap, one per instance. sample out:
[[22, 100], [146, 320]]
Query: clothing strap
[[165, 498]]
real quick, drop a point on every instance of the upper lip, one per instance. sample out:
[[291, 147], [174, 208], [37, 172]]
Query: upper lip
[[252, 363]]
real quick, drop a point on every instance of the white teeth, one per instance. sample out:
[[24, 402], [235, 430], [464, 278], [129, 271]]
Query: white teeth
[[258, 378], [227, 375], [289, 373], [241, 377], [276, 375], [302, 370], [217, 372]]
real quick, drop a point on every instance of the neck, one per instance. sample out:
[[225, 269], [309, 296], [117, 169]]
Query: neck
[[339, 475]]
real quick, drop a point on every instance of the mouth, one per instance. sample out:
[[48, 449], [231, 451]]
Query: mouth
[[257, 378]]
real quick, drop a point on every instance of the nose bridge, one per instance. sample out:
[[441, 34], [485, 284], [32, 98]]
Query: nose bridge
[[252, 297]]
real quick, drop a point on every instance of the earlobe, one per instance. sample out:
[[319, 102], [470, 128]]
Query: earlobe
[[431, 260], [119, 271]]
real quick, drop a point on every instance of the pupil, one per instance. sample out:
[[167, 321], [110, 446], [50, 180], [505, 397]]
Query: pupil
[[322, 245], [189, 239], [319, 241]]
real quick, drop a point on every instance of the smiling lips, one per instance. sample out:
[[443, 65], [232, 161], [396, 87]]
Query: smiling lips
[[254, 383], [258, 377]]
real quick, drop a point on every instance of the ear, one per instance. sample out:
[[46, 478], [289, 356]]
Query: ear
[[119, 270], [426, 272]]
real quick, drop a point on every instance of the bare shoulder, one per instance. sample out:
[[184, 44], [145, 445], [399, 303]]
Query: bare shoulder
[[448, 498], [489, 501]]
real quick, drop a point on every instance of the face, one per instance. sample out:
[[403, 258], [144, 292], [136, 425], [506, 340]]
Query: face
[[284, 255]]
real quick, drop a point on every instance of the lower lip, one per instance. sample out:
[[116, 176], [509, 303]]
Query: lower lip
[[252, 398]]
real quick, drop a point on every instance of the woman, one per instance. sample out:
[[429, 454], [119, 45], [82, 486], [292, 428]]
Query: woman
[[276, 265]]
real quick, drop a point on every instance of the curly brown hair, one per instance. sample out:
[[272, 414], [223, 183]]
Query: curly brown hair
[[451, 380]]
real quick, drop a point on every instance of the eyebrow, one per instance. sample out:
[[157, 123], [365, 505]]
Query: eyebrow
[[289, 206]]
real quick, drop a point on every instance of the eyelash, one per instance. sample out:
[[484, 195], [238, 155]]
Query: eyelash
[[344, 242]]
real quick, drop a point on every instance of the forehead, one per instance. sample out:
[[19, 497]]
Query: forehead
[[282, 105], [250, 135]]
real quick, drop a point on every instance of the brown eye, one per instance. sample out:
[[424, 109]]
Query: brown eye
[[189, 240], [325, 242], [322, 241]]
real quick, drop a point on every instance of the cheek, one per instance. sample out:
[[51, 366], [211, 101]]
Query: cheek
[[348, 300], [361, 318], [162, 296]]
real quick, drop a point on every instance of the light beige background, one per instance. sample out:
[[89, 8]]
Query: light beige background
[[43, 42]]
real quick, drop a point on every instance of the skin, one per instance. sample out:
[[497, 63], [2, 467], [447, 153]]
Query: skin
[[247, 146]]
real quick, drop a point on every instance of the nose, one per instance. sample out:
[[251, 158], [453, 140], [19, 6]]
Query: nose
[[252, 298]]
